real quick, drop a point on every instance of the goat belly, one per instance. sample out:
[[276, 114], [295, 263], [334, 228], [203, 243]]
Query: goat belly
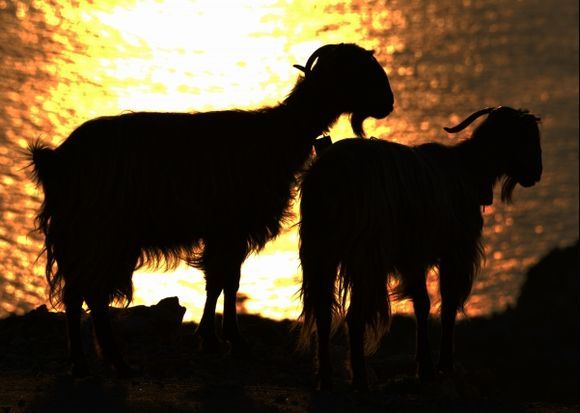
[[142, 174]]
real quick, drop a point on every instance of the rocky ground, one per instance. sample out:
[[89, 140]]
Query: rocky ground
[[523, 360]]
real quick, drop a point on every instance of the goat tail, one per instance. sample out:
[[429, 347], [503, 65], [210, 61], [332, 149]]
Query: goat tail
[[365, 285], [42, 160], [318, 291], [45, 174], [327, 291]]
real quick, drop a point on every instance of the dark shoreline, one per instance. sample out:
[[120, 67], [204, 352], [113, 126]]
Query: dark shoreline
[[524, 359]]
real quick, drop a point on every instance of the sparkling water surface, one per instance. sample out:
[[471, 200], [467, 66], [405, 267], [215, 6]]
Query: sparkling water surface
[[62, 63]]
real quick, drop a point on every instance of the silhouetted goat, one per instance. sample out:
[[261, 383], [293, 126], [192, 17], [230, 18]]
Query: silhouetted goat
[[374, 210], [208, 188]]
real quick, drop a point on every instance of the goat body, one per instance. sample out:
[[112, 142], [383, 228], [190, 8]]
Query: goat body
[[372, 209], [207, 188]]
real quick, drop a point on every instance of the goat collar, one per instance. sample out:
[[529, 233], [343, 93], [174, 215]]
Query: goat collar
[[486, 195], [321, 144]]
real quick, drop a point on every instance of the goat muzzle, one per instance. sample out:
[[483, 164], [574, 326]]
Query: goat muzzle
[[528, 183]]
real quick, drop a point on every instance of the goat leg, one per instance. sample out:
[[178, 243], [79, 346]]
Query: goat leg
[[449, 305], [421, 306], [73, 309], [104, 333], [448, 314], [230, 323], [208, 340], [222, 259], [323, 324], [356, 331]]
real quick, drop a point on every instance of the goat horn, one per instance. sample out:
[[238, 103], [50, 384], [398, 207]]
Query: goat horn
[[317, 53], [467, 121]]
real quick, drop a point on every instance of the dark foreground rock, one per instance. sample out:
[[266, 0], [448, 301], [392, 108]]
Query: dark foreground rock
[[523, 360]]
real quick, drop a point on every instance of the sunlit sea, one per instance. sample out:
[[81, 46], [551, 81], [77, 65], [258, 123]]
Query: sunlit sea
[[62, 63]]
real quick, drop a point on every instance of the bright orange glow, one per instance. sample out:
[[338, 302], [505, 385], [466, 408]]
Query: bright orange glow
[[184, 56], [67, 64], [196, 56]]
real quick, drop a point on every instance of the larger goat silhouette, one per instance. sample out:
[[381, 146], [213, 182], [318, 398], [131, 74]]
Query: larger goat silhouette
[[372, 210], [207, 188]]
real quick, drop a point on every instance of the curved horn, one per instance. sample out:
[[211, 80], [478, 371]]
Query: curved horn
[[467, 121], [317, 53]]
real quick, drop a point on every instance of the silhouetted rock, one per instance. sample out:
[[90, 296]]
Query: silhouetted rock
[[545, 326], [552, 287], [161, 319], [505, 361]]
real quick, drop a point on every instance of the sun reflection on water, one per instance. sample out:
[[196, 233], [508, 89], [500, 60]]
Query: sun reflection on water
[[64, 63]]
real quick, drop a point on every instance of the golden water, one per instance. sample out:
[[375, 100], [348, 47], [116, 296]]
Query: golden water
[[62, 63]]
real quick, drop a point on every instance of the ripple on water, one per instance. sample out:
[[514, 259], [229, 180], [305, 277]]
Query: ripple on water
[[62, 64]]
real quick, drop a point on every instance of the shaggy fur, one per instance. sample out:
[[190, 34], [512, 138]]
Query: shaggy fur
[[376, 213], [151, 189]]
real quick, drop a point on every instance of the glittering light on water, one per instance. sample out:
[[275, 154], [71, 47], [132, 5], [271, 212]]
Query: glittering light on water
[[65, 63]]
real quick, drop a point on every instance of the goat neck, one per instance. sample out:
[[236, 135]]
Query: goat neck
[[309, 111], [481, 165]]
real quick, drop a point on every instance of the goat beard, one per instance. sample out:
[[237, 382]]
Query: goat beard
[[356, 123], [507, 188]]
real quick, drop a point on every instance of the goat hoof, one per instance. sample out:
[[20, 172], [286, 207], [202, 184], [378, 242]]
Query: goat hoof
[[426, 374], [445, 369], [240, 348], [80, 370], [125, 372], [360, 385], [210, 344], [324, 385]]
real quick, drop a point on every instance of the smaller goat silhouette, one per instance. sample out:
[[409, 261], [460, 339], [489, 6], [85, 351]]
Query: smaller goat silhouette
[[373, 209]]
